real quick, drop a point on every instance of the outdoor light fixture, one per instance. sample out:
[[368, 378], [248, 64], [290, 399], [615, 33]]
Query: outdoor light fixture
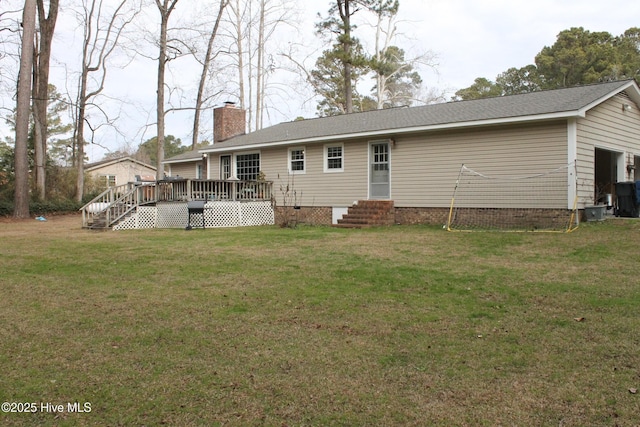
[[630, 168], [626, 107]]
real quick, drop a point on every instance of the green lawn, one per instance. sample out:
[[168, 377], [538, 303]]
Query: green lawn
[[316, 326]]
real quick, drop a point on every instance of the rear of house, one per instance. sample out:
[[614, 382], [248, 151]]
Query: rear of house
[[413, 156]]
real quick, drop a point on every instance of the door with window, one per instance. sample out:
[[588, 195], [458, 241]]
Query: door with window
[[379, 177], [225, 167]]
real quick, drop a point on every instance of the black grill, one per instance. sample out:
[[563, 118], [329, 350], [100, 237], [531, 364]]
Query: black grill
[[195, 207]]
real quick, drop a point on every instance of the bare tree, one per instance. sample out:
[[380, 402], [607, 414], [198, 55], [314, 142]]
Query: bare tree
[[381, 46], [397, 83], [203, 77], [41, 62], [101, 35], [165, 7], [272, 15], [260, 71], [9, 58], [254, 22], [237, 10], [21, 197]]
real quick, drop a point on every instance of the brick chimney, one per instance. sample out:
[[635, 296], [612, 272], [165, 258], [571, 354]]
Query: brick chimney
[[228, 121]]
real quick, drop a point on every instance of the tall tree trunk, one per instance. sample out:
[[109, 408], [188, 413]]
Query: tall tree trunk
[[79, 132], [345, 15], [240, 35], [162, 60], [203, 76], [380, 81], [260, 68], [382, 47], [165, 7], [21, 196], [41, 90]]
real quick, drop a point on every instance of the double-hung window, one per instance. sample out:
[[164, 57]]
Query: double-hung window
[[334, 158], [297, 160]]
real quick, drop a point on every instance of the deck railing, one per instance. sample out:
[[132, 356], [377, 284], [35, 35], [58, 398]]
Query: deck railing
[[213, 190], [116, 202]]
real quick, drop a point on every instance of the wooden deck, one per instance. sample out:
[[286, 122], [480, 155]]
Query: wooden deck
[[117, 203]]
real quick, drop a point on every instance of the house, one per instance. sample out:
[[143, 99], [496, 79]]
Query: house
[[410, 158], [121, 171]]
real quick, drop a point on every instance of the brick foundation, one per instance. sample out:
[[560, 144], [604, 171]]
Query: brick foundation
[[505, 218], [522, 219], [431, 216]]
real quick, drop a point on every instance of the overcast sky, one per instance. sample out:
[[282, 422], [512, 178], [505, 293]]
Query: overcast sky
[[485, 38], [471, 38]]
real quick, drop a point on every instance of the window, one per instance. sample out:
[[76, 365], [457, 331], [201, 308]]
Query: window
[[199, 169], [247, 166], [297, 160], [334, 158], [110, 180]]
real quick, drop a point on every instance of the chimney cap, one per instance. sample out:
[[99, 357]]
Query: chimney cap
[[229, 104]]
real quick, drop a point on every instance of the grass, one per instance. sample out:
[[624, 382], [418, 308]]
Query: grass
[[320, 326]]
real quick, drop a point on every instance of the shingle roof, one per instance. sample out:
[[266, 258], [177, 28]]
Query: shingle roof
[[188, 155], [533, 105]]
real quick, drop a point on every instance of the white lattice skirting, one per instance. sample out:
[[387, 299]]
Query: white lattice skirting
[[216, 214]]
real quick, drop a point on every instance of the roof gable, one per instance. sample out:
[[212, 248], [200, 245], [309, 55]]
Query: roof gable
[[108, 162]]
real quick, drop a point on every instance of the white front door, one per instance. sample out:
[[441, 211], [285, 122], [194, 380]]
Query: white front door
[[379, 177]]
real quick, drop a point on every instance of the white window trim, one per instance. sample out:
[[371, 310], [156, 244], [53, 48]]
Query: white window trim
[[234, 162], [107, 177], [304, 161], [232, 166], [325, 156]]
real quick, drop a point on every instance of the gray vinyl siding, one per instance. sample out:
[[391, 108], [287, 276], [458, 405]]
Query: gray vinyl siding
[[608, 127], [425, 167]]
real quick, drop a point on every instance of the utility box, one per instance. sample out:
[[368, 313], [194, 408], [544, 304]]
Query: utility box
[[594, 213]]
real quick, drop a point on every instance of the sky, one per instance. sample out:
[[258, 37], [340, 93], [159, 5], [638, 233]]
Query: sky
[[484, 38], [470, 39]]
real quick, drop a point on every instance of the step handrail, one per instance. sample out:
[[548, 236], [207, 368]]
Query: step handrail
[[122, 206], [102, 204]]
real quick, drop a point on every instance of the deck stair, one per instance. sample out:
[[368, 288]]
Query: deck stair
[[368, 213], [112, 206]]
